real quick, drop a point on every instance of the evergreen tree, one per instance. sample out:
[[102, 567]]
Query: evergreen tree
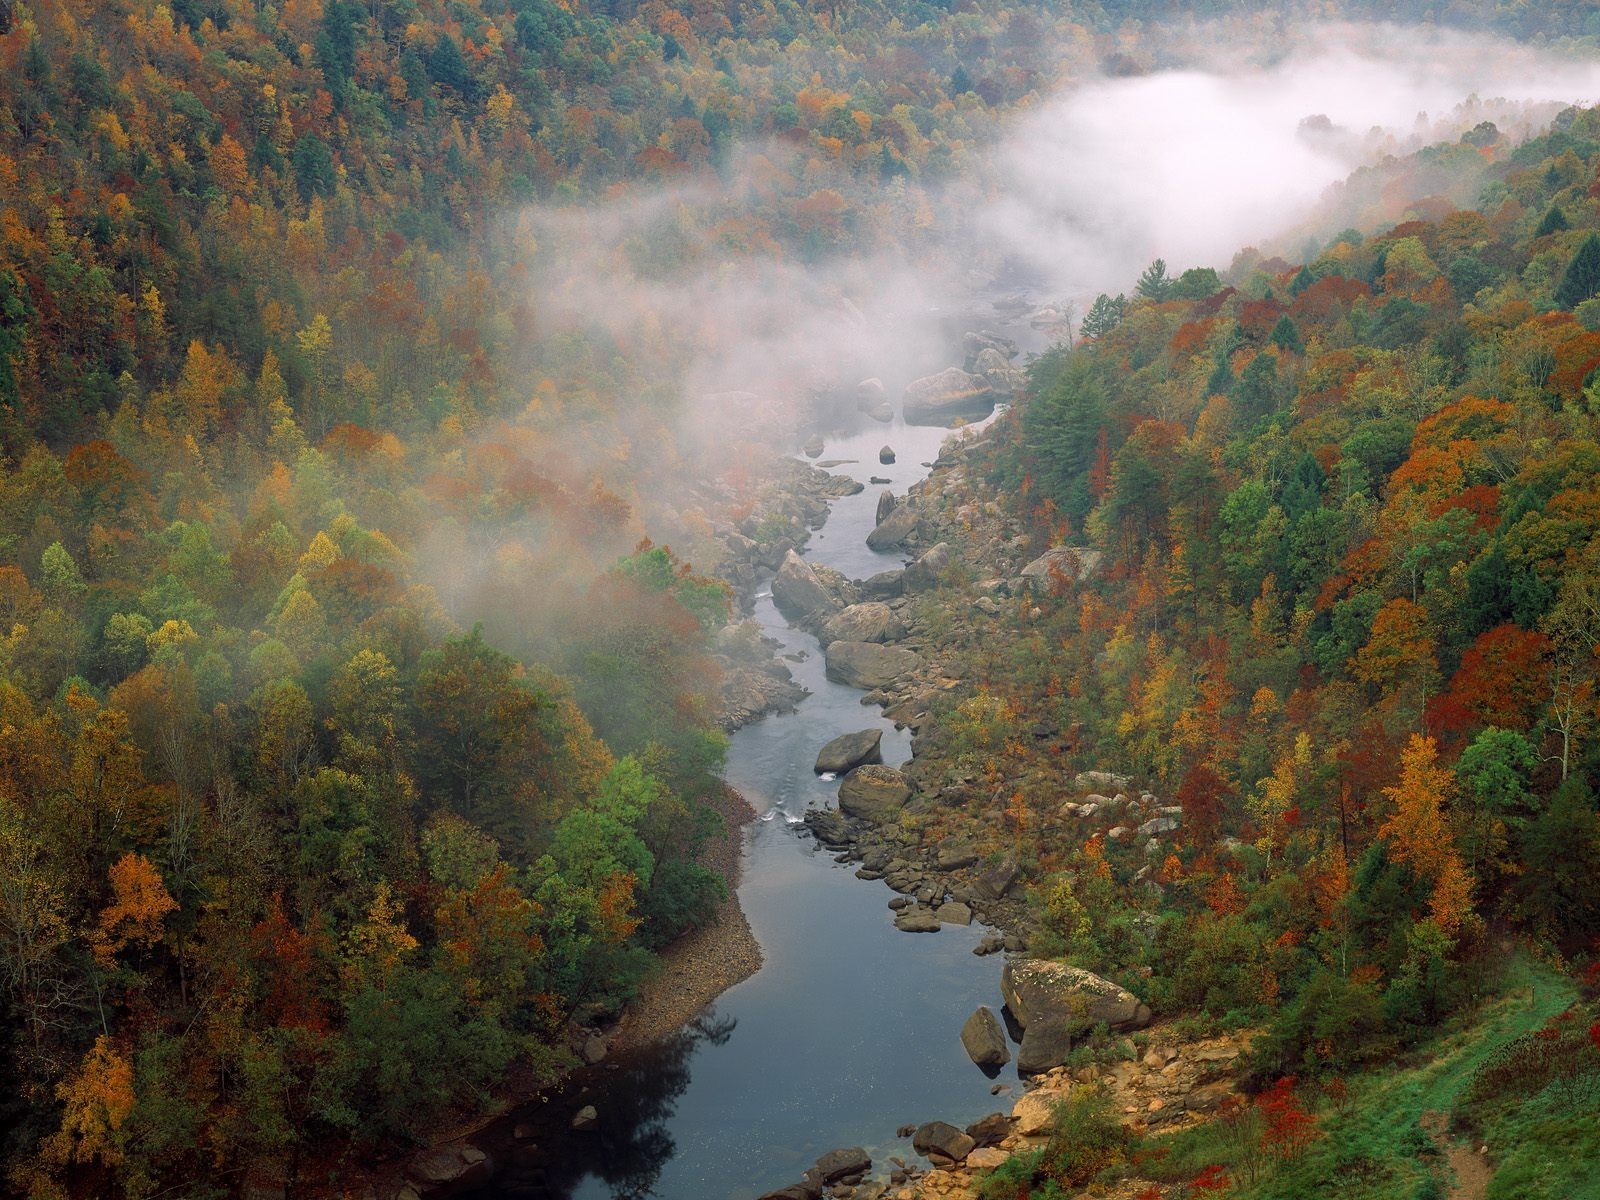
[[1554, 222], [1104, 315], [1582, 277], [1286, 336], [1155, 284]]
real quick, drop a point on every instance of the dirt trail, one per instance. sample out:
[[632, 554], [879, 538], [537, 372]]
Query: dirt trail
[[1472, 1171]]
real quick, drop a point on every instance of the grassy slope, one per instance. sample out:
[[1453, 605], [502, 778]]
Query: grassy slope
[[1376, 1148]]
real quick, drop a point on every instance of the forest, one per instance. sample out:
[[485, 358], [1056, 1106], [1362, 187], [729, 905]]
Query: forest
[[1349, 626], [296, 812]]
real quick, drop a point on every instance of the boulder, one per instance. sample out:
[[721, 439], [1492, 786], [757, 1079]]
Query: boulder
[[874, 793], [992, 1129], [814, 447], [870, 393], [586, 1119], [941, 1140], [795, 1191], [839, 1165], [984, 1039], [868, 665], [798, 592], [954, 913], [882, 412], [974, 344], [886, 455], [1035, 1113], [872, 621], [829, 827], [446, 1170], [942, 397], [927, 571], [1158, 826], [1055, 1003], [1071, 564], [593, 1049], [997, 881], [885, 585], [998, 372], [885, 506], [850, 750], [917, 920], [1099, 781], [986, 1158], [954, 857], [895, 528]]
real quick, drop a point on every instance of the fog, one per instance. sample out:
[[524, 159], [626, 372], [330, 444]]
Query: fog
[[1232, 146], [1192, 164]]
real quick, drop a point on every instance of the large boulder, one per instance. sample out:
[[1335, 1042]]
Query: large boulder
[[850, 750], [870, 393], [798, 592], [1056, 1003], [942, 397], [446, 1170], [997, 880], [814, 446], [942, 1143], [886, 503], [872, 621], [973, 344], [1066, 564], [928, 570], [917, 920], [895, 528], [869, 665], [837, 1165], [885, 585], [998, 372], [874, 792], [984, 1040]]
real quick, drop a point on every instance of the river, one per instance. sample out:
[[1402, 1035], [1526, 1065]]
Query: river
[[851, 1028]]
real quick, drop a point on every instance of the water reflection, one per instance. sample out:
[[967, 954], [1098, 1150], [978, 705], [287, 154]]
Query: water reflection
[[636, 1097]]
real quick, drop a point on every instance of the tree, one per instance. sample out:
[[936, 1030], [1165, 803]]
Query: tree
[[1493, 773], [1416, 835], [138, 909], [477, 729], [1154, 283], [1286, 336], [1581, 279], [1104, 315], [1553, 221]]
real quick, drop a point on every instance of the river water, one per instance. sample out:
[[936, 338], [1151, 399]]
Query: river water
[[851, 1028]]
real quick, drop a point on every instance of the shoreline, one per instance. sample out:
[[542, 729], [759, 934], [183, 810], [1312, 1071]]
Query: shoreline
[[704, 963]]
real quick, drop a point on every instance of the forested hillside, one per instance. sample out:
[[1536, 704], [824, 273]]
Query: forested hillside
[[355, 742], [1347, 623]]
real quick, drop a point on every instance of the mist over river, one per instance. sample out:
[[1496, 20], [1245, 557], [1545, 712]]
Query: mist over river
[[850, 1028]]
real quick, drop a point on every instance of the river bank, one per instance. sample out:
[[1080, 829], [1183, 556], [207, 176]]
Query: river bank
[[701, 965]]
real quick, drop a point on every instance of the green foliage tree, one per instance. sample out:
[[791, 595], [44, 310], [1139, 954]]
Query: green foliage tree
[[1581, 279]]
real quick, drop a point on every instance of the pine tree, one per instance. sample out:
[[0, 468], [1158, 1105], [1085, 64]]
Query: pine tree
[[1155, 284], [1286, 336], [1104, 315], [1582, 276], [1554, 222]]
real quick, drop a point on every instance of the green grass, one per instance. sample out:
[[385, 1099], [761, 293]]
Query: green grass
[[1376, 1149]]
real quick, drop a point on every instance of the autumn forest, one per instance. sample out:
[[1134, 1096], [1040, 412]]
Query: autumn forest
[[361, 713]]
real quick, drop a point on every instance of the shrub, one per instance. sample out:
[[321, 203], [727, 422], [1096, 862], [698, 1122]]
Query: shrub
[[1087, 1138]]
